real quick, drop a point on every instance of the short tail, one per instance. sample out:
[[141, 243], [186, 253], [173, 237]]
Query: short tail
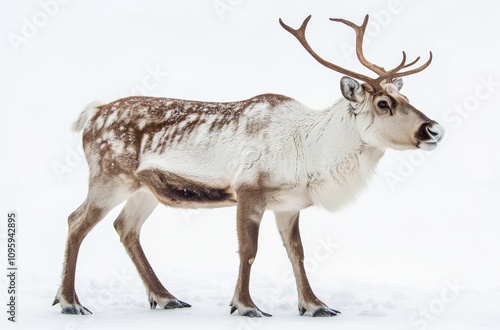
[[86, 114]]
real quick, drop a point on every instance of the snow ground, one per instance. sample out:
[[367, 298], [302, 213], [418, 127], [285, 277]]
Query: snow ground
[[418, 250]]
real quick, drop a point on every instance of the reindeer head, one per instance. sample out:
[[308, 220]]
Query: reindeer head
[[384, 116]]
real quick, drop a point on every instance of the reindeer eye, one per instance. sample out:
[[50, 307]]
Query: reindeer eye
[[383, 104]]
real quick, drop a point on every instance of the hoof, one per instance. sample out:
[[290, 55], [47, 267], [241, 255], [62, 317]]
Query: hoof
[[171, 303], [319, 311], [249, 311], [76, 310], [73, 309], [176, 304], [325, 312]]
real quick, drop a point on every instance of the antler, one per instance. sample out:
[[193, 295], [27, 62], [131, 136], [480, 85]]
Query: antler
[[300, 35], [383, 75], [360, 34]]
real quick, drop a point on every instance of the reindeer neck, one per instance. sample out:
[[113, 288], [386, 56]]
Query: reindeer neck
[[339, 163]]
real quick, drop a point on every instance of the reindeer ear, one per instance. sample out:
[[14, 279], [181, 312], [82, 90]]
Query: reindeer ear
[[398, 82], [352, 90]]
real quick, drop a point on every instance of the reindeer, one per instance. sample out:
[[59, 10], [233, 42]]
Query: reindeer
[[269, 152]]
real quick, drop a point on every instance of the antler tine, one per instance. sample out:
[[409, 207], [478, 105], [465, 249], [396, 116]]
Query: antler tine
[[360, 33], [416, 70], [393, 73], [300, 32], [388, 75], [300, 35], [410, 64], [402, 65]]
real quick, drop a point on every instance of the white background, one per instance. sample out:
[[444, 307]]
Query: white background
[[419, 249]]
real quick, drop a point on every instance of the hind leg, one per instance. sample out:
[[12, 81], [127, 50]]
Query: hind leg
[[101, 199], [128, 225]]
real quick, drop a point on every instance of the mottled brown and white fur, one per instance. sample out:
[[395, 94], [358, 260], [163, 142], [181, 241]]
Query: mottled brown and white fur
[[266, 153]]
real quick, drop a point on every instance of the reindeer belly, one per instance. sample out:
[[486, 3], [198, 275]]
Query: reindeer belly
[[174, 190]]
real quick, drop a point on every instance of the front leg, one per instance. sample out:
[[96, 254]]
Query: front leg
[[288, 226], [250, 209]]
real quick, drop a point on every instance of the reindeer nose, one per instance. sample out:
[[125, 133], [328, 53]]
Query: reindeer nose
[[429, 135], [430, 131], [435, 131]]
